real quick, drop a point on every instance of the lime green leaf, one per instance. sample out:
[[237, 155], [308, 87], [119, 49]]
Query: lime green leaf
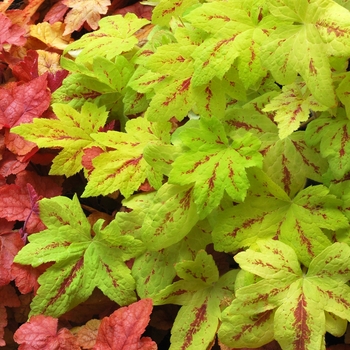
[[213, 163], [293, 107], [233, 34], [200, 292], [116, 35], [171, 216], [166, 9], [289, 162], [123, 166], [332, 135], [78, 88], [154, 270], [321, 29], [268, 212], [84, 257], [343, 92], [297, 304], [71, 131]]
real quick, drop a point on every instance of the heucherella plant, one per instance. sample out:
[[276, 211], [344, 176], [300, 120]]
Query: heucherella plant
[[226, 131]]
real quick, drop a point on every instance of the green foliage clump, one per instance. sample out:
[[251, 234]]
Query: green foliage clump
[[227, 110]]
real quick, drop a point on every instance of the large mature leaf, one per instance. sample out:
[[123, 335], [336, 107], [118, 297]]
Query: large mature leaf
[[213, 163], [71, 131], [123, 329], [84, 257], [123, 166], [116, 35], [268, 212], [320, 29], [201, 292], [234, 32], [286, 304], [22, 103]]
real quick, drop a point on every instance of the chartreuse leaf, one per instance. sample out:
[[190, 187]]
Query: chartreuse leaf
[[123, 166], [154, 270], [332, 135], [268, 212], [166, 9], [71, 131], [103, 82], [84, 257], [320, 29], [293, 107], [288, 162], [115, 35], [201, 292], [213, 163], [170, 217], [234, 32], [286, 304]]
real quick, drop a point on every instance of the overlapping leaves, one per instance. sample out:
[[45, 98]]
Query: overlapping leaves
[[84, 257], [287, 304]]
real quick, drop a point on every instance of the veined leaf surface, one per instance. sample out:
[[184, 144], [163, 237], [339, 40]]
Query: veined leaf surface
[[270, 213], [84, 257], [212, 163], [123, 166], [200, 292], [320, 29], [295, 304], [71, 131]]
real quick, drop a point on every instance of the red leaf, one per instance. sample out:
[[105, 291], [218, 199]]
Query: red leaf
[[54, 80], [8, 297], [123, 329], [11, 33], [19, 146], [56, 13], [26, 276], [40, 332], [10, 244], [27, 69], [89, 155], [19, 200], [9, 164], [21, 103]]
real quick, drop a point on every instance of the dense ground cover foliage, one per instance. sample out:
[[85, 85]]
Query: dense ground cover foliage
[[176, 167]]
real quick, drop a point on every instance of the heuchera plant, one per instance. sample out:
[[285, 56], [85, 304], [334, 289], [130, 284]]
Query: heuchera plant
[[222, 124]]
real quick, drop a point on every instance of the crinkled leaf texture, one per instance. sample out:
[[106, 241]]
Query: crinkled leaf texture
[[201, 292], [84, 257], [287, 304], [316, 30], [123, 329], [71, 131], [123, 167], [116, 35], [269, 212], [213, 162], [40, 332]]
